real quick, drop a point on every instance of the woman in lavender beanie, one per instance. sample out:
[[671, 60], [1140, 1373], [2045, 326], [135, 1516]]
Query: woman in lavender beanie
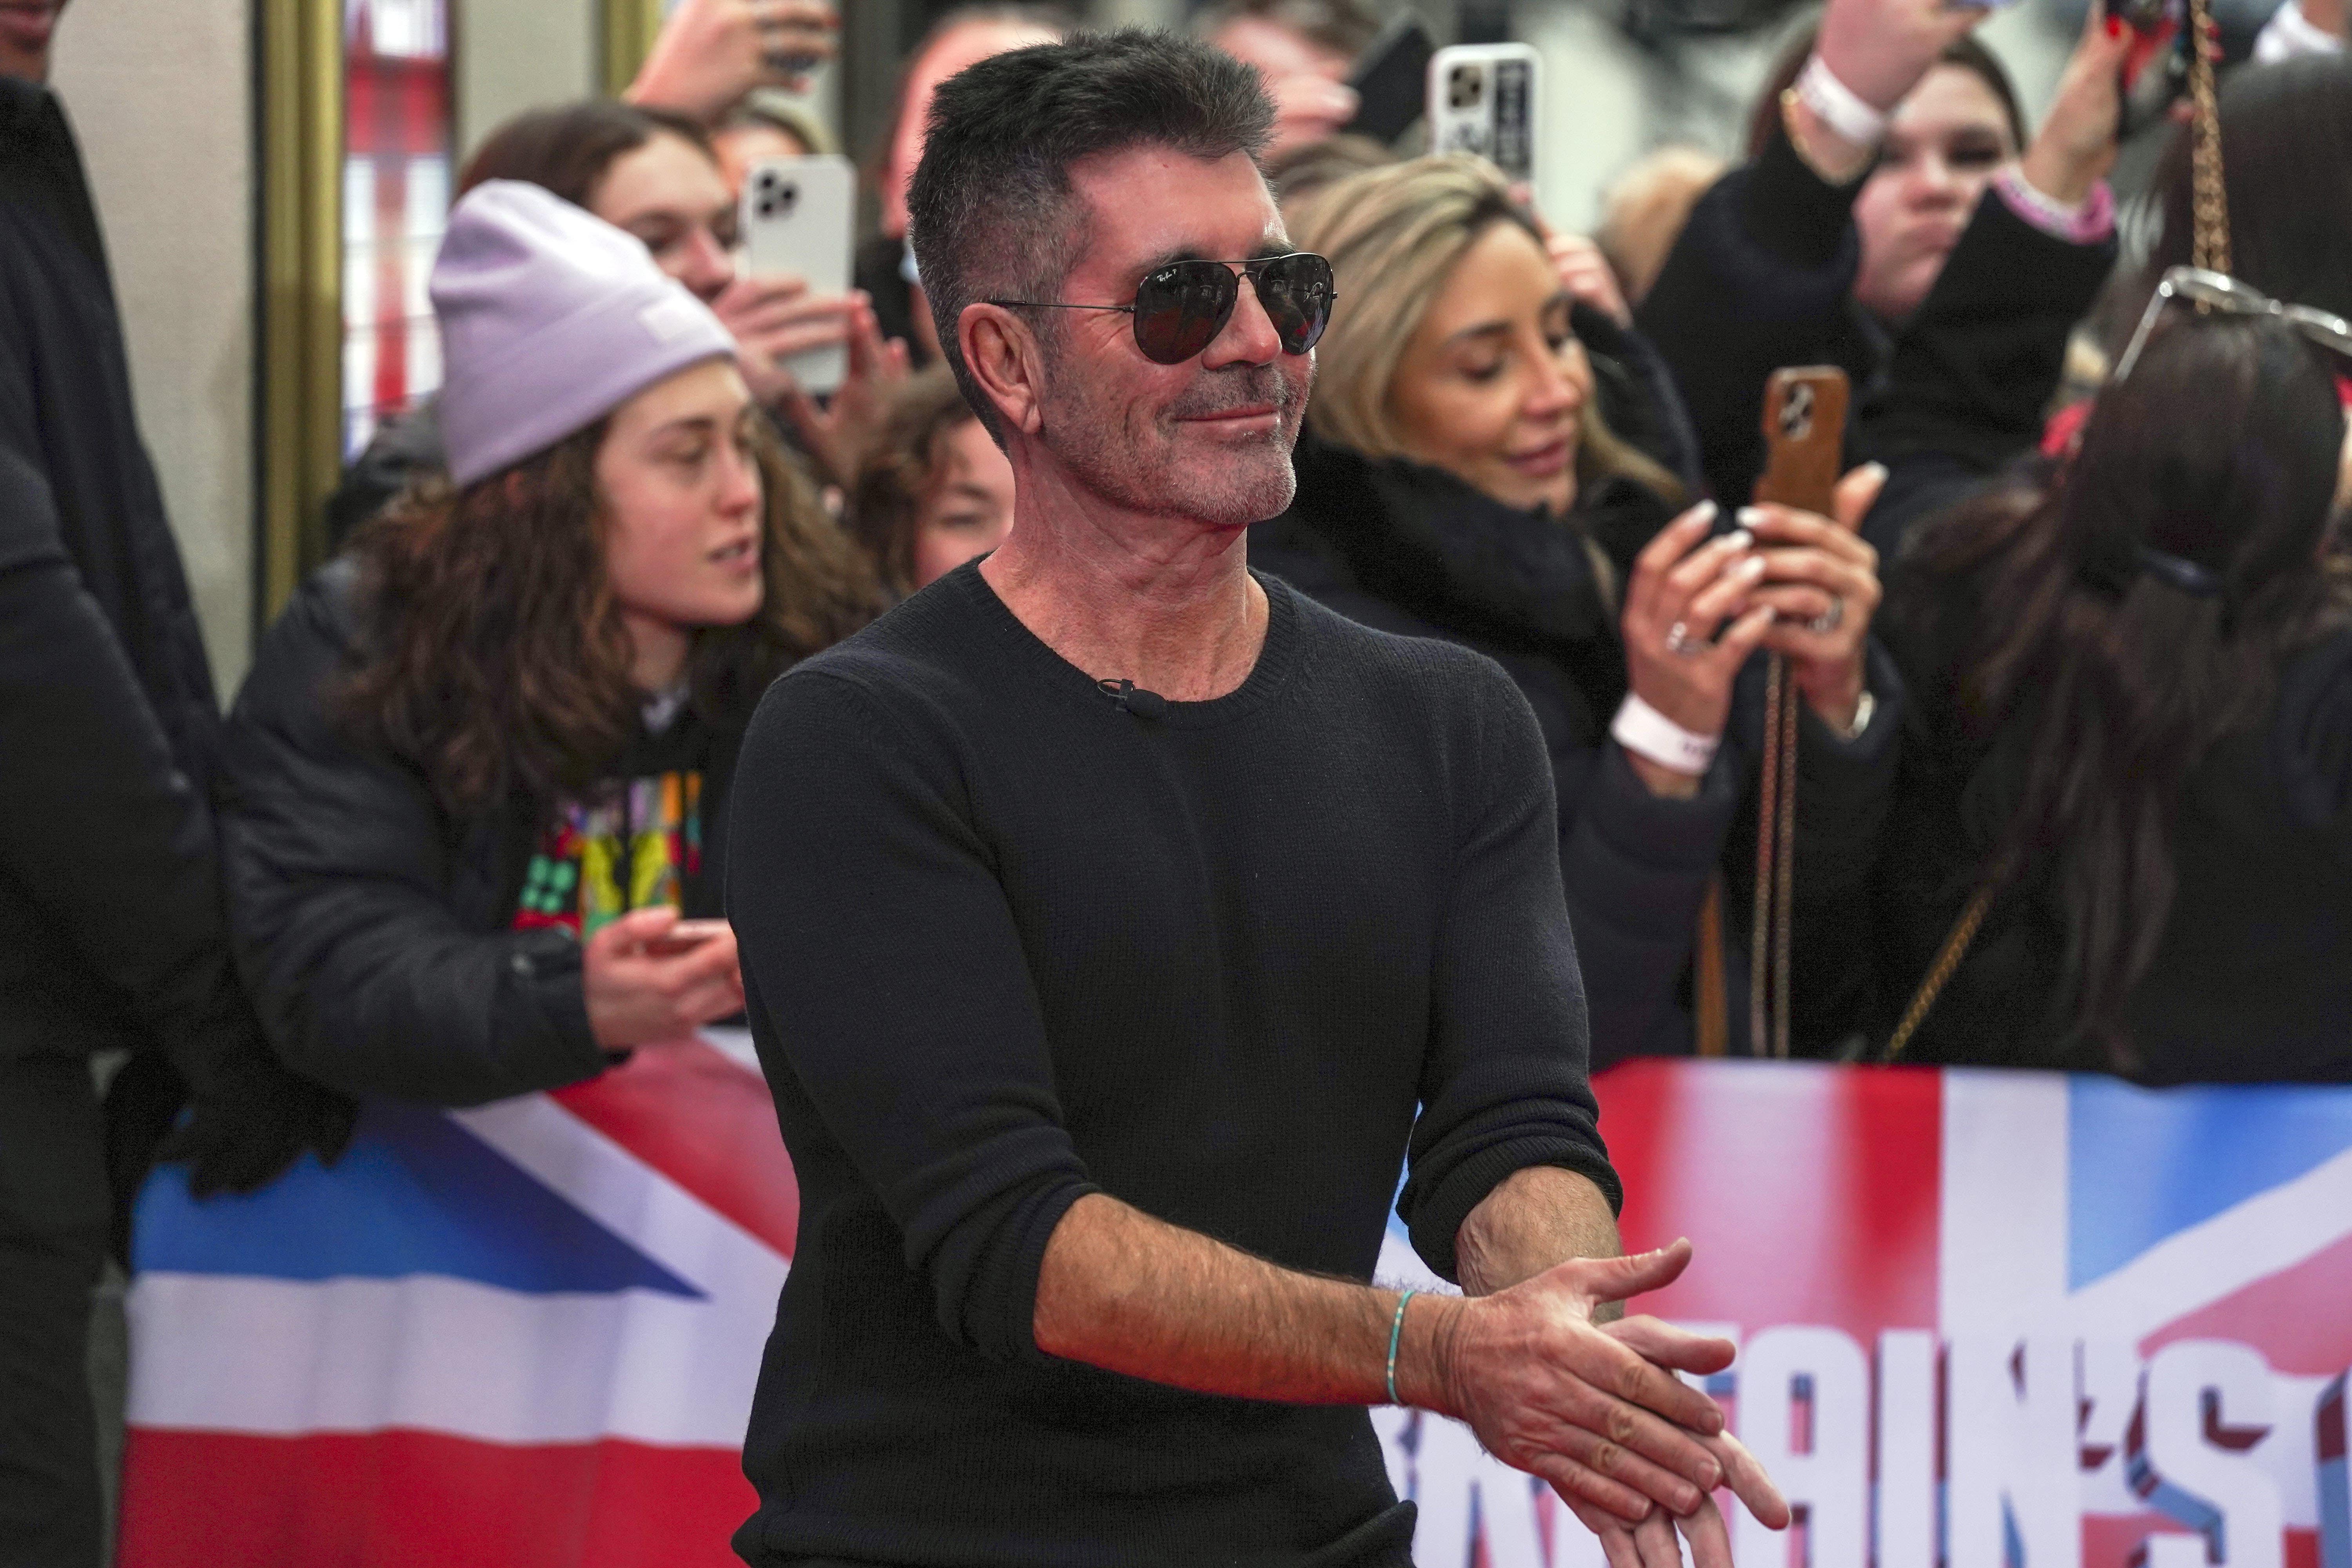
[[479, 776]]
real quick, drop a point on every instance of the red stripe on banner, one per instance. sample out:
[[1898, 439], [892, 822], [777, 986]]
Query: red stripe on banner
[[2295, 1316], [1811, 1193], [395, 1499], [708, 1124]]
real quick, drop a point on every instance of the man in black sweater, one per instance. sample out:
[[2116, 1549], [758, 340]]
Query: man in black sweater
[[112, 934], [1113, 924]]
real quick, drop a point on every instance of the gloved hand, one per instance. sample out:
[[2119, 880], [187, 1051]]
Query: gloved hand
[[253, 1118]]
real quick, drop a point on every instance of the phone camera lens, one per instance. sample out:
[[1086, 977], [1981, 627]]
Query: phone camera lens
[[1467, 86]]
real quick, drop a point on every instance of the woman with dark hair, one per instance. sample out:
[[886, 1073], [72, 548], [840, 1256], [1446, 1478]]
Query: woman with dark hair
[[2286, 171], [481, 767], [2131, 678], [935, 491], [1891, 166], [1458, 480]]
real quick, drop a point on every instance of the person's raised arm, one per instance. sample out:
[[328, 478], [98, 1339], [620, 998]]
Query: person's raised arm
[[712, 52], [1762, 273], [1974, 369]]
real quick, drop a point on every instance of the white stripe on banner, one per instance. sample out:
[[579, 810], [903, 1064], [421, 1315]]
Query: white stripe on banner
[[2002, 1267], [239, 1353], [2216, 1258], [284, 1357], [630, 1199]]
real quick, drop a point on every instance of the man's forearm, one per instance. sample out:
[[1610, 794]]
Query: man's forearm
[[1129, 1293], [1538, 1218], [1124, 1292]]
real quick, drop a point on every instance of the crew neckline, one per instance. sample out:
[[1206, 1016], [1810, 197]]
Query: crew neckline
[[1275, 659]]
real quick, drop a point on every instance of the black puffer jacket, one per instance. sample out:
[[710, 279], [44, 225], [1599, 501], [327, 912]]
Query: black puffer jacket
[[373, 926], [1414, 550]]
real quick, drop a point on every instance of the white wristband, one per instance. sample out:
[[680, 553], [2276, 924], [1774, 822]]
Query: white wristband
[[1646, 732], [1838, 106]]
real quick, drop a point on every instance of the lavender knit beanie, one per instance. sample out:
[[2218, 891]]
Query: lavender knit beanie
[[551, 319]]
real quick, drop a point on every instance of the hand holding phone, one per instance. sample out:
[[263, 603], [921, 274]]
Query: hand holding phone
[[1482, 99], [649, 976], [796, 223], [685, 937], [1820, 579]]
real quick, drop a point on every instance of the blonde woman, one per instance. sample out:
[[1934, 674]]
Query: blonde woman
[[1458, 480]]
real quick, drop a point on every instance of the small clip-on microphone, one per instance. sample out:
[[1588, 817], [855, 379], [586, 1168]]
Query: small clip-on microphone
[[1133, 699]]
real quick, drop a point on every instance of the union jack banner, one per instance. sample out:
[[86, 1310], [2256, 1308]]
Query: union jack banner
[[1985, 1320]]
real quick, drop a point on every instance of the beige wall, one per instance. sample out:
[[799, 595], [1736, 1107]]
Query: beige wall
[[160, 97], [514, 55]]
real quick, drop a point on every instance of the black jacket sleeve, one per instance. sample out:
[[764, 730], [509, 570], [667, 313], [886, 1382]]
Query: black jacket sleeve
[[878, 946], [1637, 867], [1974, 370], [1505, 1084], [1759, 278], [339, 866], [100, 830], [1845, 790]]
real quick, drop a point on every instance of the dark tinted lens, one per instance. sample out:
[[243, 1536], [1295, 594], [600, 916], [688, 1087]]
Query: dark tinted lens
[[1180, 309], [1295, 291]]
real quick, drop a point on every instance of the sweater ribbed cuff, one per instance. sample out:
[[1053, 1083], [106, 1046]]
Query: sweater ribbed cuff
[[1436, 1222]]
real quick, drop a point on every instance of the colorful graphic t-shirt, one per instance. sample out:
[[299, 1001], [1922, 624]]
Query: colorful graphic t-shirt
[[635, 845]]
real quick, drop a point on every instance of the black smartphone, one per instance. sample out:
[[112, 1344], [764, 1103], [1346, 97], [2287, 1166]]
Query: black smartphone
[[1387, 79]]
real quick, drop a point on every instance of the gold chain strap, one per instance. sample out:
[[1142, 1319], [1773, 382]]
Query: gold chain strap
[[1939, 973], [1775, 850], [2209, 198]]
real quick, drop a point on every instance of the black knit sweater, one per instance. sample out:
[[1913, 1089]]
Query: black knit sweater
[[1008, 943]]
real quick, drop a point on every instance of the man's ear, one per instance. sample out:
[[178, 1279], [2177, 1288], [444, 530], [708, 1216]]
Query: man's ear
[[1001, 352]]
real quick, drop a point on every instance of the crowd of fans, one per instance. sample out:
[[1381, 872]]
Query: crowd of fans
[[2075, 759]]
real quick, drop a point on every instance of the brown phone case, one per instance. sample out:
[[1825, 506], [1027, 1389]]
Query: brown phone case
[[1804, 437]]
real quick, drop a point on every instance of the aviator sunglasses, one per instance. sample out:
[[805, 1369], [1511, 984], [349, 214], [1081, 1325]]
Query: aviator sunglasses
[[2219, 292], [1180, 308]]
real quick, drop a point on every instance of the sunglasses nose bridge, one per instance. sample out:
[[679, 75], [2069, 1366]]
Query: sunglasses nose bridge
[[1264, 314]]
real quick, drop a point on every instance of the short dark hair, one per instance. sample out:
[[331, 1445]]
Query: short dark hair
[[568, 149], [989, 208]]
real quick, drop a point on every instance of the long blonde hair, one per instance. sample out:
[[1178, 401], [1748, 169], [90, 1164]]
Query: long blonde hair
[[1394, 236]]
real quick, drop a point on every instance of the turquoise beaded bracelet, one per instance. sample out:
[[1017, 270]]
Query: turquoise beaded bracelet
[[1396, 1333]]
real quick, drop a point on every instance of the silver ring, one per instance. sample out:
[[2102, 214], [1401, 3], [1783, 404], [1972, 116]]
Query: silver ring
[[1827, 621], [1678, 639]]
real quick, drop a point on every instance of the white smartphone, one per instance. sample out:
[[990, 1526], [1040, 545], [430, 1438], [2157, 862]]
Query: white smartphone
[[798, 215], [1482, 99]]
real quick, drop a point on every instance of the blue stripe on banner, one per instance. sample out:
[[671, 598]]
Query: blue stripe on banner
[[2195, 1153], [415, 1194]]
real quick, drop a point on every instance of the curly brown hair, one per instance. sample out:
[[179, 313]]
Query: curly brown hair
[[499, 660], [887, 498]]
